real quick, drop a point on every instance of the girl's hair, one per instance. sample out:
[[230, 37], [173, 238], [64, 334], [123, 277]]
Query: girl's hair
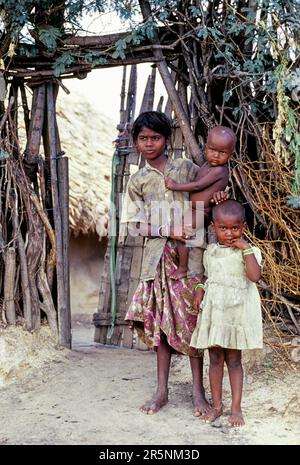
[[229, 207], [155, 120]]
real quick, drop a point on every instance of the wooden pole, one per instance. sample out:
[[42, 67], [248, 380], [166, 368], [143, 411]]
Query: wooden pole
[[36, 122], [63, 193], [63, 319], [63, 190]]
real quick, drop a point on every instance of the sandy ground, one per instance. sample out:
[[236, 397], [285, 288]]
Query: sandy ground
[[90, 395]]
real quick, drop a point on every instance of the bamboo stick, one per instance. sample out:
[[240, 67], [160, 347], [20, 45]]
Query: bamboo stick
[[148, 97], [25, 107], [131, 93], [122, 100]]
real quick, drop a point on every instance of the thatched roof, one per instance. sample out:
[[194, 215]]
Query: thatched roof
[[86, 138]]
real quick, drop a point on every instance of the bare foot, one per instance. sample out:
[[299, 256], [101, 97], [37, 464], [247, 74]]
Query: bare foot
[[155, 404], [236, 419], [201, 406], [179, 273], [213, 414]]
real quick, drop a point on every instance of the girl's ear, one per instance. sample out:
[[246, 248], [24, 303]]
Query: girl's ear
[[244, 226], [213, 226]]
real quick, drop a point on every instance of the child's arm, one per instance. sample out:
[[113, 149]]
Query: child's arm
[[199, 184], [135, 217], [149, 230], [252, 268], [198, 295]]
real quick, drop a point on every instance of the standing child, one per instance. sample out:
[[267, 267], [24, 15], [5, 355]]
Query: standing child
[[212, 176], [229, 302], [161, 308]]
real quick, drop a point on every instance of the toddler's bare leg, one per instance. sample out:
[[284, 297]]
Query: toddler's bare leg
[[183, 255], [233, 359], [216, 367]]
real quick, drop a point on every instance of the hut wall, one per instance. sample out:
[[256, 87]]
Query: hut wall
[[86, 264]]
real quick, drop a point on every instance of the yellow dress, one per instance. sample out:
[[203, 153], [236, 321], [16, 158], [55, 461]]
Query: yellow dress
[[231, 310]]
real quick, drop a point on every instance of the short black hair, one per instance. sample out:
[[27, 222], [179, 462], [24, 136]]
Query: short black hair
[[229, 207], [155, 120], [223, 131]]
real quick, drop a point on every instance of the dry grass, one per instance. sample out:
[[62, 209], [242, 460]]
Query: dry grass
[[87, 139], [267, 186]]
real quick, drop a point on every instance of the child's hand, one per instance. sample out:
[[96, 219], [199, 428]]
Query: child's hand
[[240, 244], [219, 197], [175, 235], [188, 231], [170, 184], [197, 299], [179, 233]]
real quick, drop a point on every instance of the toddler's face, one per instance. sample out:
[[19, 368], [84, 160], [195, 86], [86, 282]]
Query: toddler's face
[[228, 228], [218, 149]]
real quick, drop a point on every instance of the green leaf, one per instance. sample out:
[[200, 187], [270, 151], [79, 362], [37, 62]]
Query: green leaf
[[227, 95], [4, 155], [202, 33], [49, 37], [61, 63], [294, 202]]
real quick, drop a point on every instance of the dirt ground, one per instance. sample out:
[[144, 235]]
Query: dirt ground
[[90, 395]]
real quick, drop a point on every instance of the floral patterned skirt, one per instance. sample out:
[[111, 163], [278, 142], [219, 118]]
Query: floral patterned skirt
[[164, 306]]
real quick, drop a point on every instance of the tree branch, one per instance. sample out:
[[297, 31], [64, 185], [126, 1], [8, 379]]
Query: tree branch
[[190, 140]]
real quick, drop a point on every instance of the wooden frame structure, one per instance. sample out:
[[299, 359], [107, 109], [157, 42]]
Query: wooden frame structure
[[47, 178], [37, 199]]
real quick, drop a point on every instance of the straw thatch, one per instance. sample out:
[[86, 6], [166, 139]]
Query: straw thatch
[[86, 138]]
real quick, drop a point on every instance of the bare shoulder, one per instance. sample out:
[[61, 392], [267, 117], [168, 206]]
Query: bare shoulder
[[215, 171], [220, 170]]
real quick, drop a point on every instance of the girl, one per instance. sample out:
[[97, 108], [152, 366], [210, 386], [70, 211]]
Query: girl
[[229, 302], [161, 308]]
